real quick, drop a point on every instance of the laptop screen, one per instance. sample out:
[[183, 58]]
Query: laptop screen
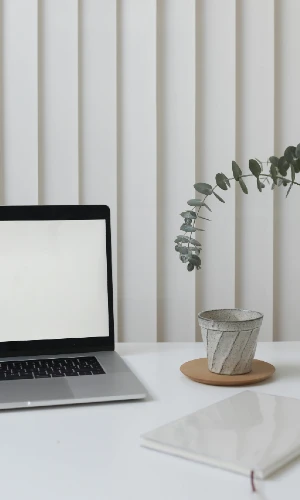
[[53, 280]]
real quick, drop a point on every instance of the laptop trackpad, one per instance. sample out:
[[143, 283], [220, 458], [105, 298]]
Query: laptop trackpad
[[53, 389]]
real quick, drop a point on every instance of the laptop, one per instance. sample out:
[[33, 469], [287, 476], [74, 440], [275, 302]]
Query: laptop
[[56, 309]]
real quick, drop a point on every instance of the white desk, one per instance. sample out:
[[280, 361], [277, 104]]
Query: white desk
[[92, 452]]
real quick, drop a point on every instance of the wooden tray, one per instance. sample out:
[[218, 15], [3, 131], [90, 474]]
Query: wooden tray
[[198, 371]]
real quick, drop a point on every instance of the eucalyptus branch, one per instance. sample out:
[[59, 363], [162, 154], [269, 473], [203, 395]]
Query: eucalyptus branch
[[189, 248]]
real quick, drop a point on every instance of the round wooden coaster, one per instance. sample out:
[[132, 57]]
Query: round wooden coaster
[[198, 371]]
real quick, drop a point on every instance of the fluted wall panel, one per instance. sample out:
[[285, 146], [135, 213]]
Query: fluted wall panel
[[129, 103]]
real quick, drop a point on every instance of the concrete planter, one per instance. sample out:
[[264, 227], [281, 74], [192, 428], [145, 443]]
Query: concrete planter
[[230, 337]]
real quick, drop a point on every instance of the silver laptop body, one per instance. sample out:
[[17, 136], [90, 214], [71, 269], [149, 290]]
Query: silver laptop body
[[56, 309]]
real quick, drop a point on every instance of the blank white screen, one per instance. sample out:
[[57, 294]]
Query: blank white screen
[[53, 280]]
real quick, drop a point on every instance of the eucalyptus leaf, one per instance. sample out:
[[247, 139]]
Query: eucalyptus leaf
[[273, 186], [189, 214], [283, 166], [204, 205], [282, 161], [279, 182], [243, 186], [203, 188], [184, 258], [194, 259], [254, 168], [219, 197], [296, 164], [182, 239], [285, 182], [290, 153], [190, 266], [188, 221], [298, 151], [177, 248], [274, 173], [195, 242], [195, 202], [187, 229], [198, 203], [183, 250], [260, 185], [284, 171], [236, 171], [292, 173], [274, 160], [221, 182]]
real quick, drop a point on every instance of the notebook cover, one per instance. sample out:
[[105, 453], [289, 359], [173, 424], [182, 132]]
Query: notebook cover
[[248, 431]]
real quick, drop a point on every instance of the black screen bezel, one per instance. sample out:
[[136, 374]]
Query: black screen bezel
[[69, 345]]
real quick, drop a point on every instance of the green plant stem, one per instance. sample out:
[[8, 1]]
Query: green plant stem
[[291, 157], [233, 179], [193, 226], [260, 175], [282, 178]]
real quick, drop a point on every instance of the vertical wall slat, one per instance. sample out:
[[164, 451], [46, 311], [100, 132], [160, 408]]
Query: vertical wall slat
[[58, 101], [255, 138], [137, 264], [286, 241], [215, 148], [176, 163], [98, 110], [20, 102]]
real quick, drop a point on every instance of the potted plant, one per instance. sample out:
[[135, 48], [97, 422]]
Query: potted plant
[[230, 336]]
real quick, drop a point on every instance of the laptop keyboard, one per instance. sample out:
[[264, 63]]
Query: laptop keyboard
[[47, 368]]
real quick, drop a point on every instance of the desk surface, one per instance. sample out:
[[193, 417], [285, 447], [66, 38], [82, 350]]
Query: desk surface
[[92, 452]]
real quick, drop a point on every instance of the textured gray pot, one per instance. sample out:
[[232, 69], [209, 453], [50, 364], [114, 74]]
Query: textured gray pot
[[230, 338]]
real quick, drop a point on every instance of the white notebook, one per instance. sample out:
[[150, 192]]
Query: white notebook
[[244, 433]]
